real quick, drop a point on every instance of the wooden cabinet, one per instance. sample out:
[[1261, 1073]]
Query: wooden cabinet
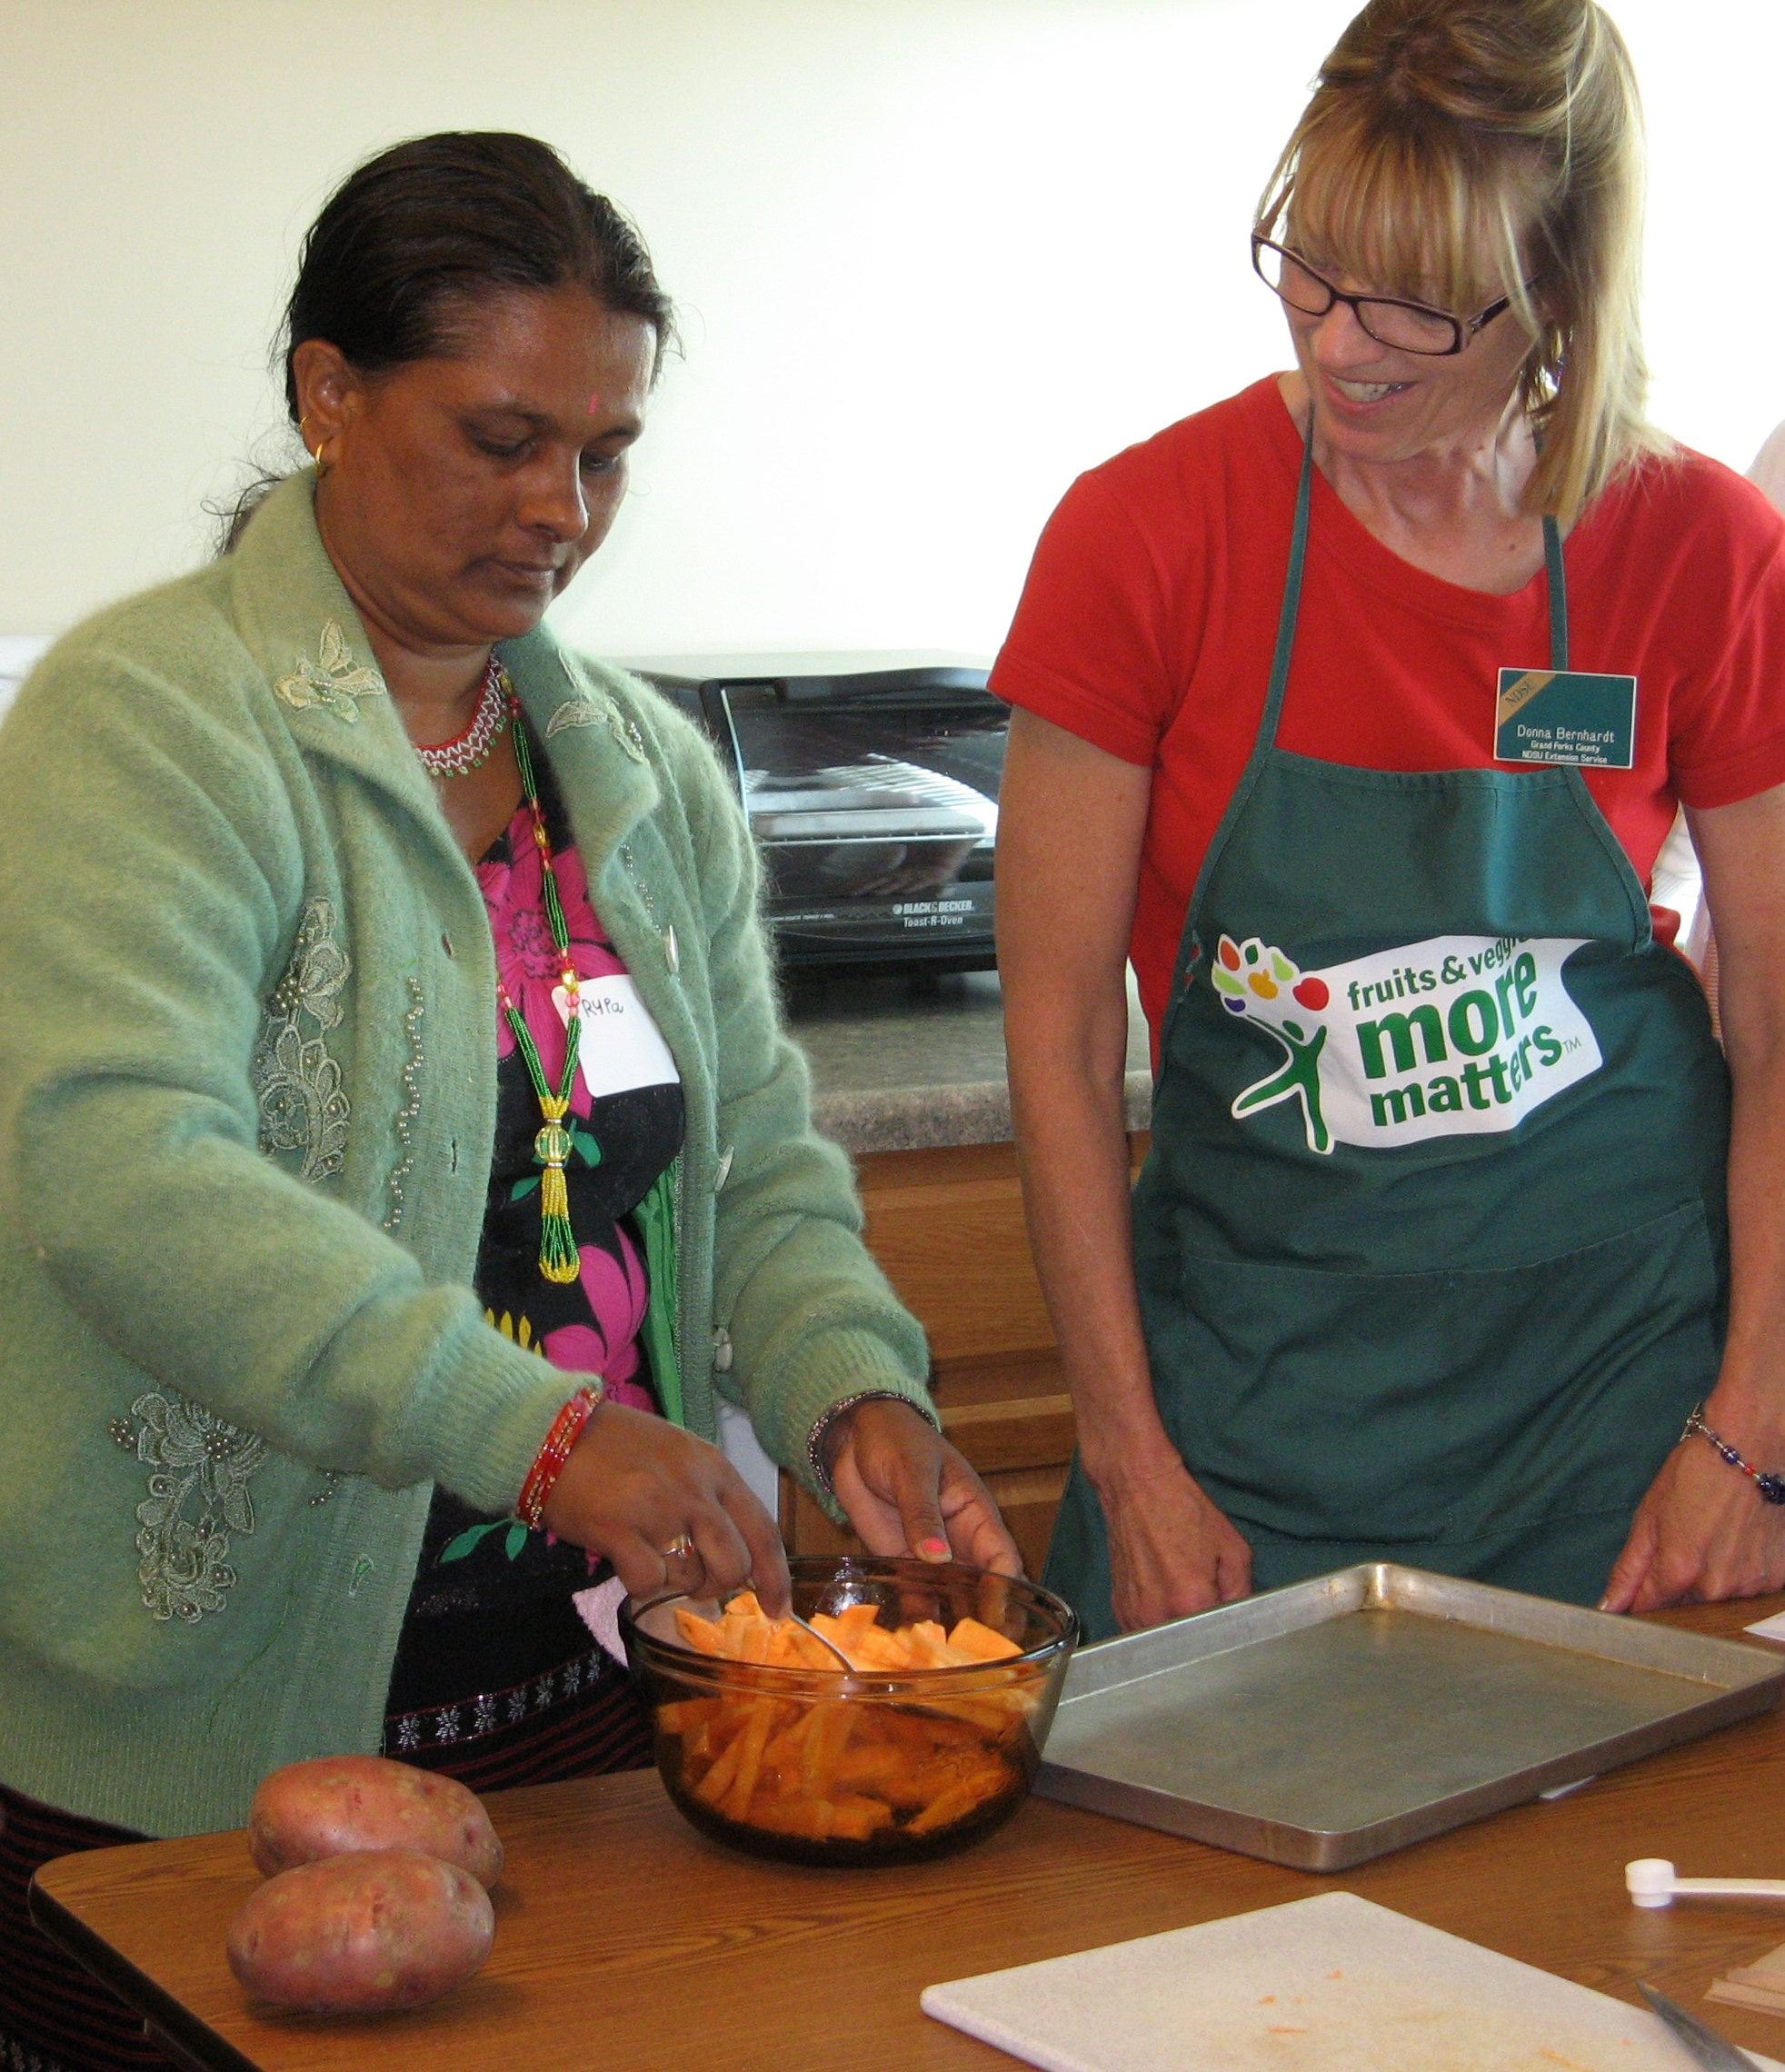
[[947, 1229]]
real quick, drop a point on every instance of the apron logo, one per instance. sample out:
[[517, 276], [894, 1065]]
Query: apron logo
[[1264, 986], [1461, 1035]]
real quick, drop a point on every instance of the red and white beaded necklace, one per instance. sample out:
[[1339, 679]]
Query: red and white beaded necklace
[[472, 749]]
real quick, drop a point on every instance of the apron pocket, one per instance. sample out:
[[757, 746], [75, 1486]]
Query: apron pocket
[[1404, 1406]]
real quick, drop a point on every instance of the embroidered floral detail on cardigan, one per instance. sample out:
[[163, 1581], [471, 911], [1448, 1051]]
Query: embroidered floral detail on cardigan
[[411, 1106], [625, 731], [333, 683], [198, 1495], [575, 713], [296, 1082]]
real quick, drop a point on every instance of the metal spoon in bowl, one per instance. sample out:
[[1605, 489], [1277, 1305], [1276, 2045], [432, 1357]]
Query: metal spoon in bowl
[[792, 1618], [830, 1645]]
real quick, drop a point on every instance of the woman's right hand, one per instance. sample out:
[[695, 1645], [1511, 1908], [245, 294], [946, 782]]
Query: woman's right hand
[[1070, 822], [1172, 1552], [635, 1485]]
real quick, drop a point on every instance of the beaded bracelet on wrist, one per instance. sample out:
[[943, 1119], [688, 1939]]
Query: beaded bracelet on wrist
[[549, 1461], [1771, 1488], [820, 1431]]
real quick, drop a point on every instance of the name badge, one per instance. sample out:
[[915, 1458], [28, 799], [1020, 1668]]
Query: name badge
[[1566, 715], [621, 1046]]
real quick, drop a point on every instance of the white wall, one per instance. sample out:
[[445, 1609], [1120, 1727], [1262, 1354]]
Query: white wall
[[933, 257]]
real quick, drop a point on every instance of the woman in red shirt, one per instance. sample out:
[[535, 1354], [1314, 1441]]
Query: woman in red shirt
[[1355, 710]]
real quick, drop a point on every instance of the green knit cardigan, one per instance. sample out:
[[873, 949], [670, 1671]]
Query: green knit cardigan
[[247, 1096]]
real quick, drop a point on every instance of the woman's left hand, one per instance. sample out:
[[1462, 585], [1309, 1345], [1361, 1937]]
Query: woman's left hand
[[1701, 1534], [906, 1490]]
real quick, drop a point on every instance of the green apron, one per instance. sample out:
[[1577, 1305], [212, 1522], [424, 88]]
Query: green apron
[[1430, 1245]]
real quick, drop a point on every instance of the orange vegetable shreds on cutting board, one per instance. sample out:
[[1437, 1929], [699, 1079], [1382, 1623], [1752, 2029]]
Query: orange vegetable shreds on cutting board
[[856, 1766]]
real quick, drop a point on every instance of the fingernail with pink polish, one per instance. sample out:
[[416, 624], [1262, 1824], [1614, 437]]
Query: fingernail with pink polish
[[934, 1550]]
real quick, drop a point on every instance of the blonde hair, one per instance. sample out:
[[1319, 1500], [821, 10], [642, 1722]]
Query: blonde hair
[[1456, 151]]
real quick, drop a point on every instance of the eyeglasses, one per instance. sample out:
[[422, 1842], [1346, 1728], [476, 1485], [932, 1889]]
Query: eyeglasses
[[1407, 326]]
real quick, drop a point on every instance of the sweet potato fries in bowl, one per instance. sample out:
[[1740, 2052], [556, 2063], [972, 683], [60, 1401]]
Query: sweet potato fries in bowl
[[929, 1741]]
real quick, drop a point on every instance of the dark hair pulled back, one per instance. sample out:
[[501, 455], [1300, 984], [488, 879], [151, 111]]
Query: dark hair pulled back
[[430, 228], [425, 231]]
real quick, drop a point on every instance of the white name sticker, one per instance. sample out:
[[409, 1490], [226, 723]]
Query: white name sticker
[[621, 1046], [1456, 1036]]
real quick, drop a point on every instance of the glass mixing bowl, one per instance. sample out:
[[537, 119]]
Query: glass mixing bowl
[[861, 1767]]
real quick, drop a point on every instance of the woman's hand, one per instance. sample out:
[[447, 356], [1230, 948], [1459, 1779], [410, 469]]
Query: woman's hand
[[1172, 1552], [1701, 1534], [1071, 822], [635, 1487], [906, 1490]]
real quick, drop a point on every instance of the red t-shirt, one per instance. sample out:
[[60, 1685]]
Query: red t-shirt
[[1147, 623]]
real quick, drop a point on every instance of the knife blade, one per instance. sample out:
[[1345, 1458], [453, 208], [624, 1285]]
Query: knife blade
[[1708, 2049]]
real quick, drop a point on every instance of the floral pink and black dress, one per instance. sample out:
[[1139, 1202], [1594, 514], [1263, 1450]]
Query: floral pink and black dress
[[498, 1680]]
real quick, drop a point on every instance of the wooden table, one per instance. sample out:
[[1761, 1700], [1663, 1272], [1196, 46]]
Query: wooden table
[[625, 1943]]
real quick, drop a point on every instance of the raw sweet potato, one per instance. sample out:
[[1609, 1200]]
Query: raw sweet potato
[[337, 1804], [365, 1932]]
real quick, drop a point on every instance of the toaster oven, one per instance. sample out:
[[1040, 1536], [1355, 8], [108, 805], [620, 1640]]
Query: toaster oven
[[870, 785]]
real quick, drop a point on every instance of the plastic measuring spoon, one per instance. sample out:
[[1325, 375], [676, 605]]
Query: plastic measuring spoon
[[1651, 1883]]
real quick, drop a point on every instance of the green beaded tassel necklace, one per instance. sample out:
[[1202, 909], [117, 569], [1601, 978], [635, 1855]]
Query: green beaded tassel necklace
[[558, 1260]]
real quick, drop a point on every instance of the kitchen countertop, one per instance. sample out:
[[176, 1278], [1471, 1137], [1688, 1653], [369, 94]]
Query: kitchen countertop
[[904, 1063], [625, 1940]]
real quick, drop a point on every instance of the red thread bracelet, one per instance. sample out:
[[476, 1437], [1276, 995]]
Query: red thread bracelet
[[549, 1461]]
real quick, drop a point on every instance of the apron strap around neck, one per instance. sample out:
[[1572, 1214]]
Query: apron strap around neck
[[1265, 740], [1558, 584], [1291, 604], [1555, 579]]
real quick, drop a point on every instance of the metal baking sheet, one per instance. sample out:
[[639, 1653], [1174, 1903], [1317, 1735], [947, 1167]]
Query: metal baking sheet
[[1324, 1724]]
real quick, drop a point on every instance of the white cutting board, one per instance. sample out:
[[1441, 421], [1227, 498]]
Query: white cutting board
[[1333, 1983]]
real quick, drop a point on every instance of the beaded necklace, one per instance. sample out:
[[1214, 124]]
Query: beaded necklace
[[472, 749], [558, 1260]]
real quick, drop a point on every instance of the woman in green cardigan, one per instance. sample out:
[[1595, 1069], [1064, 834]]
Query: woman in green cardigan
[[383, 1006]]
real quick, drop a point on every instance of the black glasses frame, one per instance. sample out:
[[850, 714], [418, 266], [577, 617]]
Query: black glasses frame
[[1462, 328]]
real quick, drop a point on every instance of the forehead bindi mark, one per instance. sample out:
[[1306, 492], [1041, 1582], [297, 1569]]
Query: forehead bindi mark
[[594, 402]]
